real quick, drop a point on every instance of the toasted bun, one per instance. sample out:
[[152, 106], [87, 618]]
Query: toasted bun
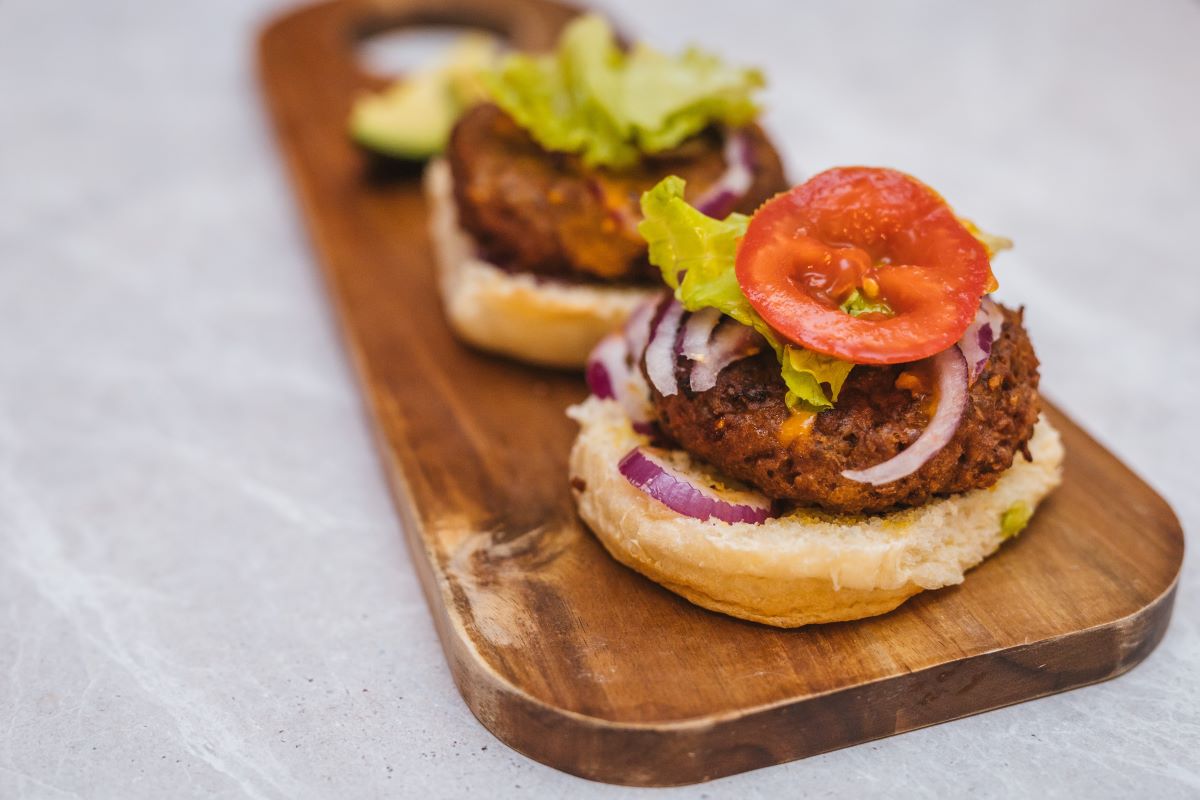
[[805, 567], [545, 322]]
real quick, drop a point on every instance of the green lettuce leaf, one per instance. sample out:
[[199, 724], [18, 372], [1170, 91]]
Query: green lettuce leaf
[[591, 98], [857, 304], [683, 240]]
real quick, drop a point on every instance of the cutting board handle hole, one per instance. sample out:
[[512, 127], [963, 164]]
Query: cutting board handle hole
[[400, 50], [409, 34]]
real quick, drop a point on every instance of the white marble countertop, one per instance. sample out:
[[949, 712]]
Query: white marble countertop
[[203, 587]]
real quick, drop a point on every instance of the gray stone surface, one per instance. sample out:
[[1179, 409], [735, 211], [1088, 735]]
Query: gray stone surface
[[203, 590]]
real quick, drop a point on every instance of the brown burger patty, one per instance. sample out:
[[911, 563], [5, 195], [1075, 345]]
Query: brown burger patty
[[736, 426], [530, 210]]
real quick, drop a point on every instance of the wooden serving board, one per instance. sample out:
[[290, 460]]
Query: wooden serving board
[[580, 663]]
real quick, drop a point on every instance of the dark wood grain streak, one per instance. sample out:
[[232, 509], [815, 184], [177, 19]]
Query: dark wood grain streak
[[571, 658]]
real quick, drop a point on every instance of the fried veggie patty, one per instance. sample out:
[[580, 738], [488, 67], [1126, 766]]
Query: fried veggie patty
[[743, 427]]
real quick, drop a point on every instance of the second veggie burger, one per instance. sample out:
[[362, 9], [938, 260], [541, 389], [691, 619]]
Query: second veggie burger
[[535, 205]]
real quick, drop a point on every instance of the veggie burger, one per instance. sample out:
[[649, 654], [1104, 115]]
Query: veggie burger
[[535, 204], [824, 414]]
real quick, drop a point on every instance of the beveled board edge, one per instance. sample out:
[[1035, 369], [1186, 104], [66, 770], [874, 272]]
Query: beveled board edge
[[693, 751]]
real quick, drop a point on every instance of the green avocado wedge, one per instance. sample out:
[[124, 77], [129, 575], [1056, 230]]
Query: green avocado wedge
[[411, 119]]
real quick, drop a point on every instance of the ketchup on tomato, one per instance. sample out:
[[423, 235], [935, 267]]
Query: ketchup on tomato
[[874, 231]]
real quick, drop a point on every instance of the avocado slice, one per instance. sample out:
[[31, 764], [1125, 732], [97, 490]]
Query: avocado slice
[[412, 118]]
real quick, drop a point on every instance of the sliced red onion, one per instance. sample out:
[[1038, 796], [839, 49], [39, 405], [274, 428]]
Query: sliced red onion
[[951, 370], [637, 327], [634, 396], [611, 375], [976, 345], [995, 315], [976, 342], [720, 198], [605, 365], [732, 342], [681, 494], [697, 330], [660, 352]]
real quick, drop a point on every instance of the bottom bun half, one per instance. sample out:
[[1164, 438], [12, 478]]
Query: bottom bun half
[[804, 567], [550, 323]]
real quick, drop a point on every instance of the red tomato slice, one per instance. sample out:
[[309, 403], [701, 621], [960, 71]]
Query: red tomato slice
[[877, 231]]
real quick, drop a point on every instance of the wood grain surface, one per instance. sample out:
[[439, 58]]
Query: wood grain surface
[[569, 657]]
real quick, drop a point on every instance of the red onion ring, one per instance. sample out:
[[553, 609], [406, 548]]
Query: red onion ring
[[606, 362], [611, 375], [732, 342], [697, 331], [637, 327], [678, 492], [660, 352], [720, 198], [977, 340], [994, 313], [951, 369], [976, 345]]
